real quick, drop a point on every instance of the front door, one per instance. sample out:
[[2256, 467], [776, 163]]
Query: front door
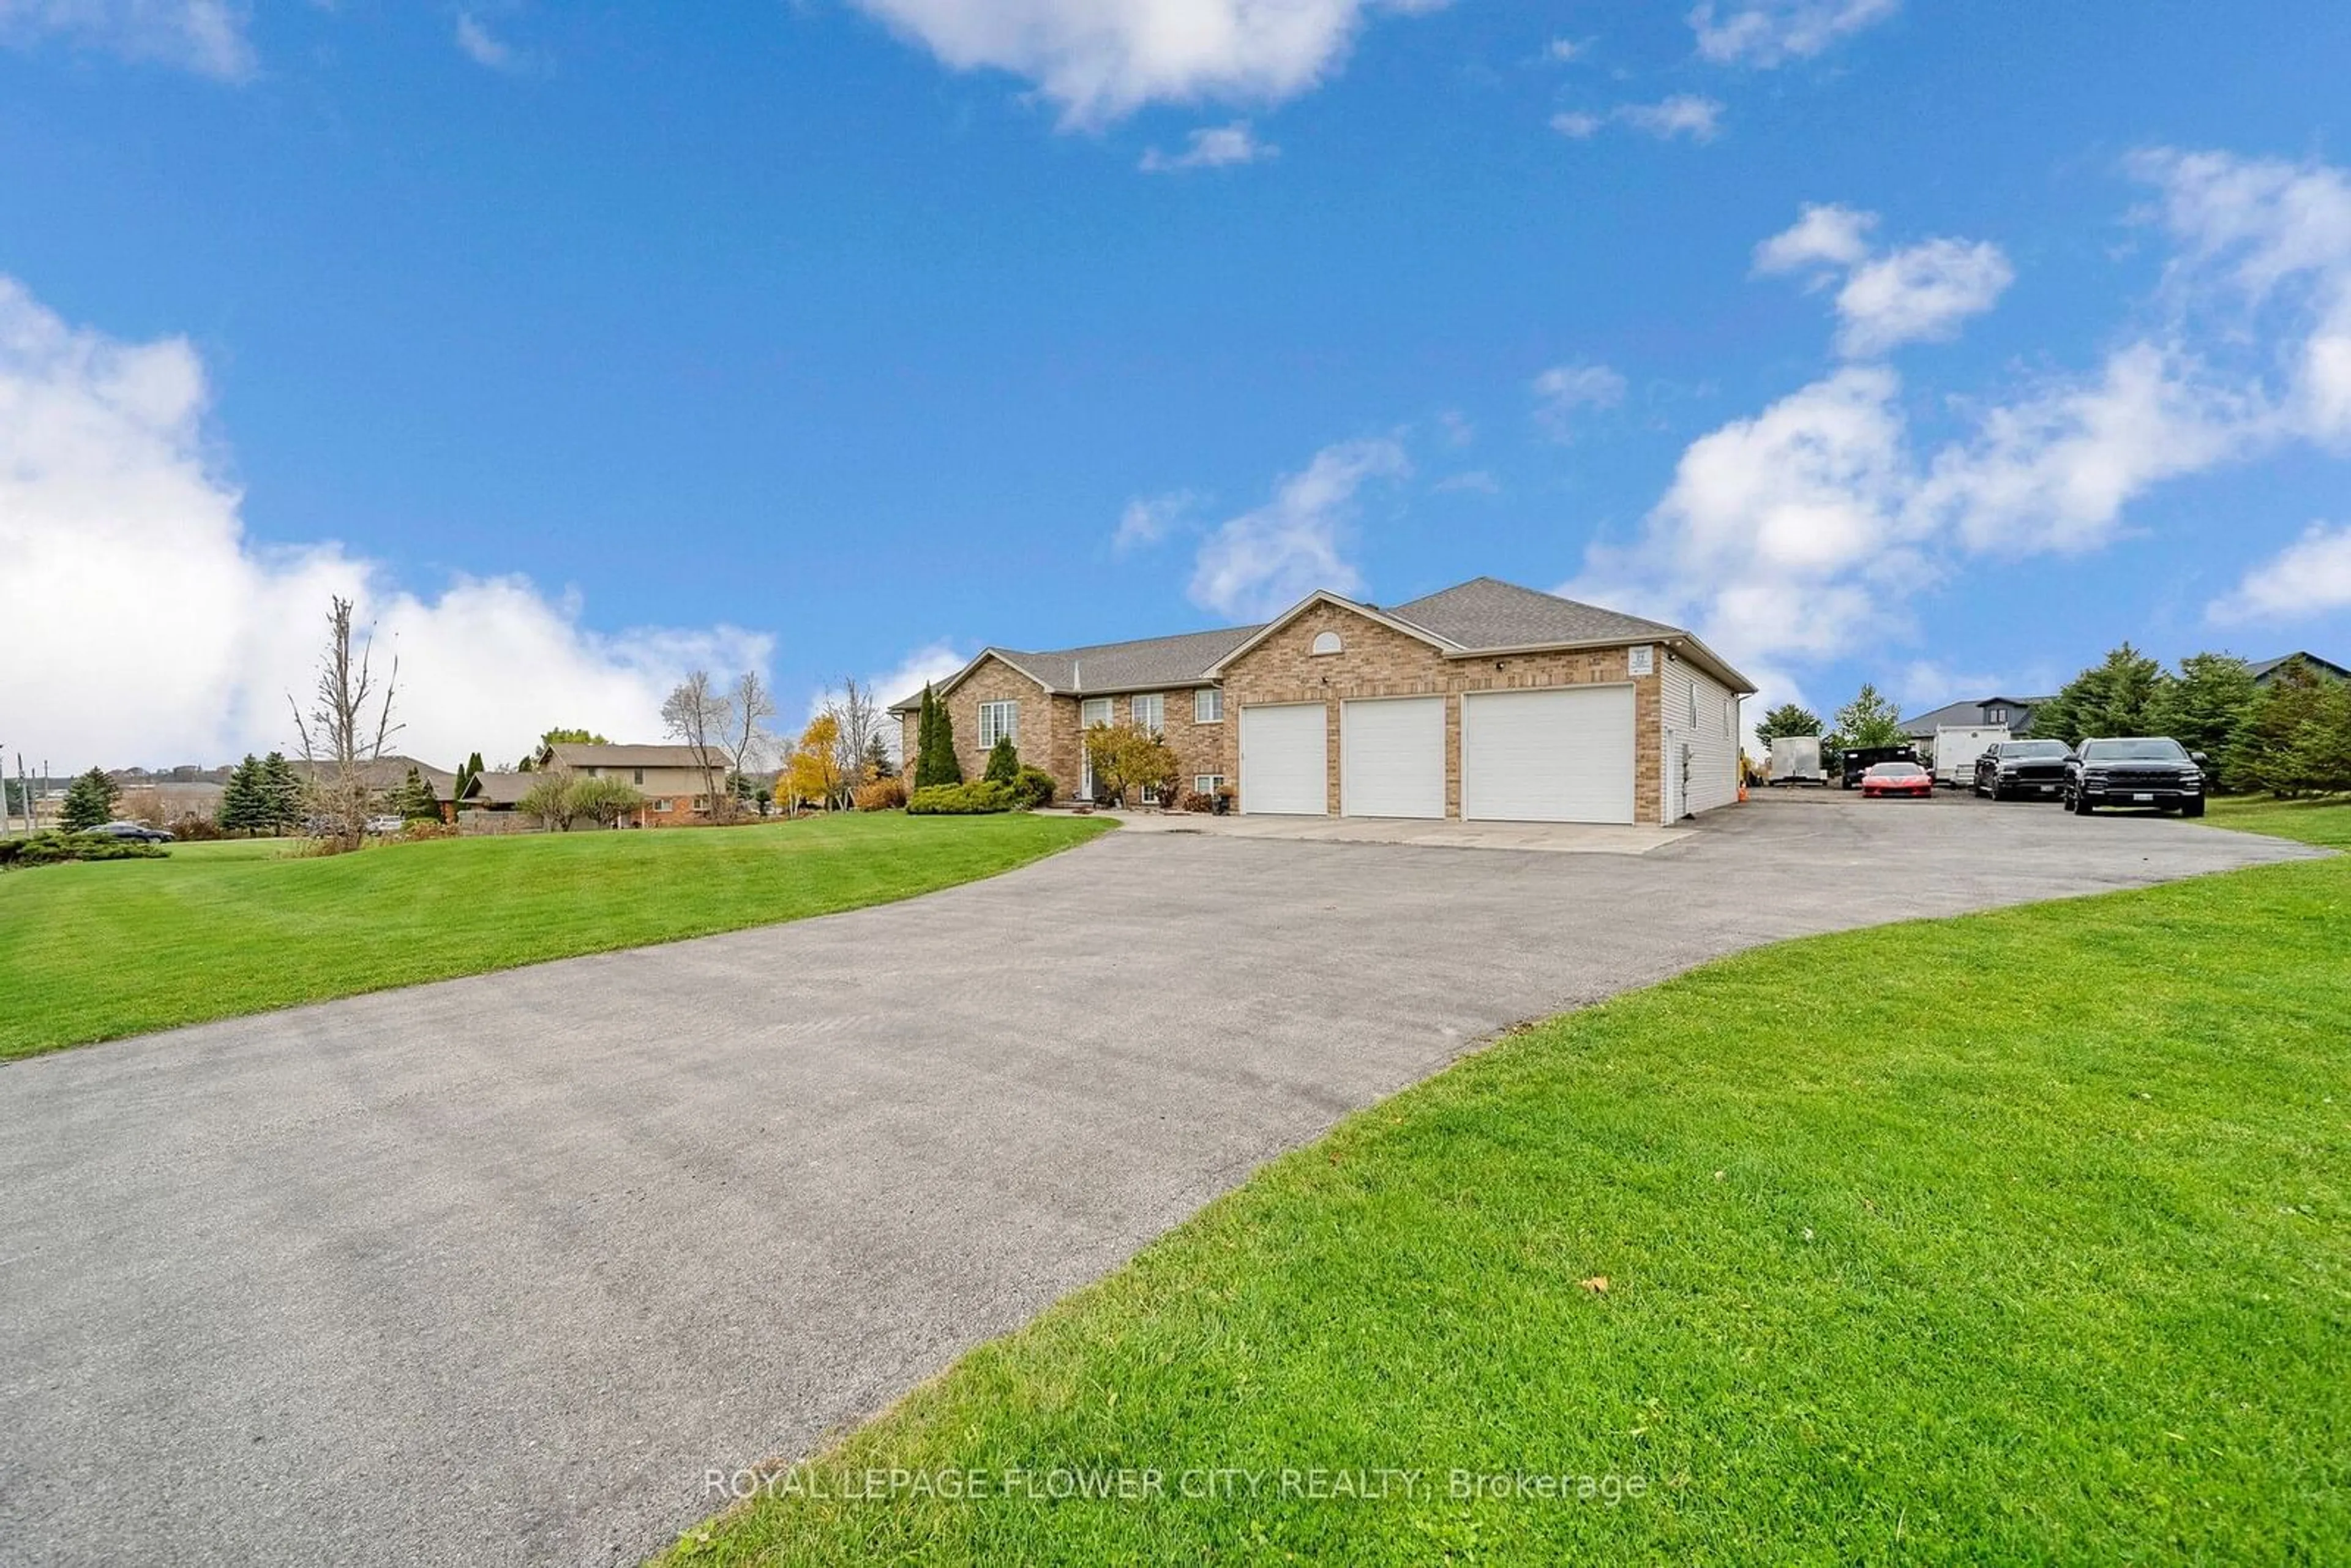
[[1090, 712]]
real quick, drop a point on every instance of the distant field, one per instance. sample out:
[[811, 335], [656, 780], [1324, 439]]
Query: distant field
[[95, 952]]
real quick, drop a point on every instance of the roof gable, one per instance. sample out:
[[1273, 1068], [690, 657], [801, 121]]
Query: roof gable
[[1486, 612], [1325, 596]]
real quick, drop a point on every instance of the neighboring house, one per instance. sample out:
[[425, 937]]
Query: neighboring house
[[1486, 702], [676, 790], [2016, 713], [2264, 669], [385, 774], [491, 791]]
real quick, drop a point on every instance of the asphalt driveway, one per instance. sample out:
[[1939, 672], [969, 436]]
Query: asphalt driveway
[[494, 1270]]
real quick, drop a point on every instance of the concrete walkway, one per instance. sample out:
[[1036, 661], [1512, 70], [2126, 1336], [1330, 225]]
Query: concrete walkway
[[492, 1271], [1539, 837]]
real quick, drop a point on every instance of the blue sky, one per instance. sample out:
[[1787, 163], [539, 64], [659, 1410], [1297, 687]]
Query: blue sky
[[848, 336]]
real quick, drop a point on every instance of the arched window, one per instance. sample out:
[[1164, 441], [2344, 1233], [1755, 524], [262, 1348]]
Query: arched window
[[1326, 642]]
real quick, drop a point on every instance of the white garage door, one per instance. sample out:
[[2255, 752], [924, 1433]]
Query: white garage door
[[1392, 757], [1285, 767], [1564, 754]]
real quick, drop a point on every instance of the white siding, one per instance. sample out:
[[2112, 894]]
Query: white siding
[[1712, 773]]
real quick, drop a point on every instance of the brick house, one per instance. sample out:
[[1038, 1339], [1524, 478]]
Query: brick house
[[1484, 701]]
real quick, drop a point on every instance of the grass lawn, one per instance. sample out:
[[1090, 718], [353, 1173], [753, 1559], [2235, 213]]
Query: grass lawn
[[93, 952], [2019, 1237]]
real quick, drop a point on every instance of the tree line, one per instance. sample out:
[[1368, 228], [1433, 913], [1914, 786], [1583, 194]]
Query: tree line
[[2288, 735]]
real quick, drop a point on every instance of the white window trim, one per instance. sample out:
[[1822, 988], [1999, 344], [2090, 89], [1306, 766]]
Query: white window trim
[[991, 719], [1206, 783], [1326, 643], [1211, 697], [1134, 711]]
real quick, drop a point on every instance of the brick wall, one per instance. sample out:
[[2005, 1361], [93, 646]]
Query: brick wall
[[1376, 661], [1046, 731]]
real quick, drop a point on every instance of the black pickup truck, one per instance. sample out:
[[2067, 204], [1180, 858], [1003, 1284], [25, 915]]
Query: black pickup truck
[[2012, 768], [2142, 771]]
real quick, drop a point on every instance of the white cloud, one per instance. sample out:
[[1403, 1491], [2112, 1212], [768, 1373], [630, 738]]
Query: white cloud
[[1264, 560], [1919, 294], [1801, 533], [206, 37], [2053, 470], [1564, 49], [124, 546], [480, 45], [2275, 238], [1824, 235], [1103, 59], [2309, 578], [1562, 389], [1212, 147], [1150, 518], [1684, 114], [1766, 33]]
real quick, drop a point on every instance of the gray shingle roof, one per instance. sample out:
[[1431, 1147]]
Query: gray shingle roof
[[2261, 667], [1486, 612], [2020, 710], [571, 754], [1140, 666]]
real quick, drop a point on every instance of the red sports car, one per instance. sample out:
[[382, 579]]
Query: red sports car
[[1895, 778]]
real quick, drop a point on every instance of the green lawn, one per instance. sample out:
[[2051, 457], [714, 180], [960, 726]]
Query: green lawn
[[2019, 1237], [93, 952]]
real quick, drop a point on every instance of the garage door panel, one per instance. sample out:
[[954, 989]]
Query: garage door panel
[[1392, 757], [1553, 755], [1285, 760]]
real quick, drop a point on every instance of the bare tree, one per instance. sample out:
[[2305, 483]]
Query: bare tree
[[750, 707], [347, 730], [860, 718], [698, 717]]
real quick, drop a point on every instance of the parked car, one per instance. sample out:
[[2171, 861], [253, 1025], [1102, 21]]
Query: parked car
[[2025, 768], [1897, 780], [385, 826], [2145, 771], [138, 831], [1860, 759]]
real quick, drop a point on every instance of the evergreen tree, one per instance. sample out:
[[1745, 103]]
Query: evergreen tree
[[2118, 696], [1003, 762], [2282, 744], [1787, 719], [413, 800], [281, 794], [878, 764], [89, 801], [934, 760], [245, 802], [467, 772], [2203, 707]]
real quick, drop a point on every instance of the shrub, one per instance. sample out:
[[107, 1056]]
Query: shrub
[[961, 799], [1033, 787], [1195, 801], [1003, 761], [193, 828], [52, 848], [881, 795], [417, 829]]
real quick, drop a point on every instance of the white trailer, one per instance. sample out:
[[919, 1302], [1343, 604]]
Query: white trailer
[[1957, 746], [1796, 759]]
